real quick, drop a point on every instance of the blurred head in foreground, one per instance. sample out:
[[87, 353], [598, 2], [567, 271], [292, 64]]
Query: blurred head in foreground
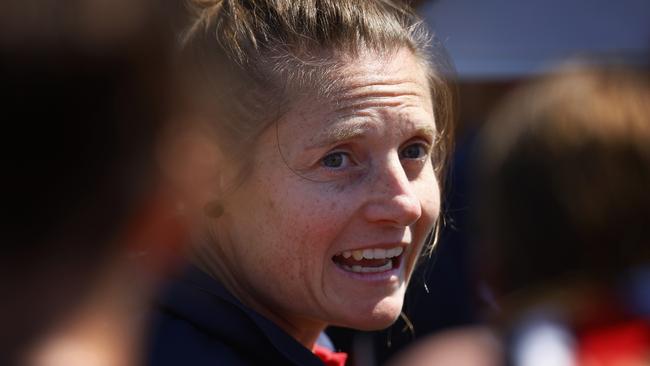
[[84, 89], [565, 194]]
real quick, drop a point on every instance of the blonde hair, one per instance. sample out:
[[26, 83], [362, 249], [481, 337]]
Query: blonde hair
[[252, 57], [568, 176]]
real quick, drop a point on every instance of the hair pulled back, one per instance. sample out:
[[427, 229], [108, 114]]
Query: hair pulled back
[[248, 59]]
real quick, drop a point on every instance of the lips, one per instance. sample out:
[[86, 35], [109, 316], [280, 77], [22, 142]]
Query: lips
[[370, 260]]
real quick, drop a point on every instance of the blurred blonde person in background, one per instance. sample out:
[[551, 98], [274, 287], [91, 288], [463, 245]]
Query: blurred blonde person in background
[[566, 217]]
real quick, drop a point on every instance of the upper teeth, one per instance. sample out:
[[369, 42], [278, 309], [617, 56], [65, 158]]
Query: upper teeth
[[376, 253]]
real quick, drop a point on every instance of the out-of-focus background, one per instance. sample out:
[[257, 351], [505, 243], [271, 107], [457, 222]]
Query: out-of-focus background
[[512, 39], [494, 44]]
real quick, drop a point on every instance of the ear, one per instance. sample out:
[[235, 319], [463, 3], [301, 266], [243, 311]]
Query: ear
[[192, 163]]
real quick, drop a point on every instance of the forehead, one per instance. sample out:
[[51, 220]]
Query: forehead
[[400, 64], [370, 85]]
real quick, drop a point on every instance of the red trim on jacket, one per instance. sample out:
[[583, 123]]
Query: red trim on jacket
[[330, 358]]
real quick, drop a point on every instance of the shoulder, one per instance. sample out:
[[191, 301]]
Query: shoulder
[[176, 340], [197, 322]]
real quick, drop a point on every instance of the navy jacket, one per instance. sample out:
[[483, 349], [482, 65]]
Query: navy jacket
[[198, 322]]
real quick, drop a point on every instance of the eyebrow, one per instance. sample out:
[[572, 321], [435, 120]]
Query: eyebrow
[[346, 132]]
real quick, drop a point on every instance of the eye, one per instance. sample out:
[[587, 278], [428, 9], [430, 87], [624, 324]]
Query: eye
[[335, 160], [414, 151]]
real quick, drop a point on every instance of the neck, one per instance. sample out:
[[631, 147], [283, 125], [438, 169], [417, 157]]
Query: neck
[[305, 331]]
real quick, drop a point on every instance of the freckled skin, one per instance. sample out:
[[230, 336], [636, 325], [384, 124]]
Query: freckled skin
[[279, 254]]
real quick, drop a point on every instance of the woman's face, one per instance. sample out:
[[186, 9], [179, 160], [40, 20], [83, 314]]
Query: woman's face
[[328, 226]]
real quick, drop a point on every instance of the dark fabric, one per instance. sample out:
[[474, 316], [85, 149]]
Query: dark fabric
[[198, 322]]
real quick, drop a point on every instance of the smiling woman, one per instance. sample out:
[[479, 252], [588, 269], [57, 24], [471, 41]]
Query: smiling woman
[[323, 137]]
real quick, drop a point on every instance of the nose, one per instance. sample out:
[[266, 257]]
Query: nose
[[392, 196]]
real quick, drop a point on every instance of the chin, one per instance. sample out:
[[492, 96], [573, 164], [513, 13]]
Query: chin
[[381, 316]]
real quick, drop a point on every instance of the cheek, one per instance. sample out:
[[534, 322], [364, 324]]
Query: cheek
[[298, 222], [429, 195], [431, 205], [312, 206], [299, 230]]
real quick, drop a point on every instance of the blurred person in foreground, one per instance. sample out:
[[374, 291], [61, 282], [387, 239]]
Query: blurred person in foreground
[[566, 214], [88, 226], [564, 220], [315, 177]]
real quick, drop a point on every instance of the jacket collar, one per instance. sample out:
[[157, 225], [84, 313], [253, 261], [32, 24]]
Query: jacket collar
[[203, 301]]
